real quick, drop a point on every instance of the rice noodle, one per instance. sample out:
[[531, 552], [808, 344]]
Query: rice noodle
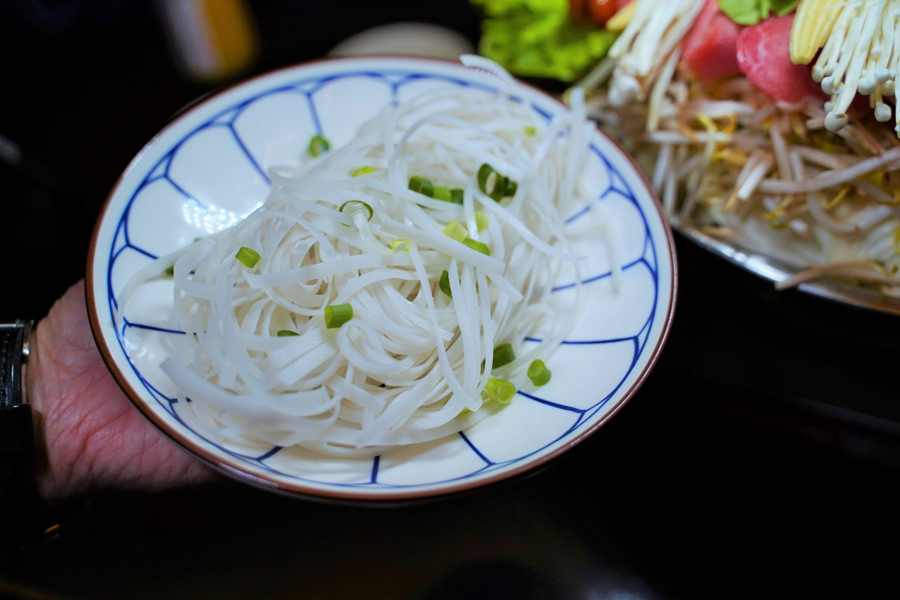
[[412, 363]]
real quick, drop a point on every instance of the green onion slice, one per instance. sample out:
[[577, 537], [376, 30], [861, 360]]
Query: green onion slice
[[494, 184], [337, 314], [448, 195], [499, 390], [441, 193], [354, 205], [503, 355], [482, 221], [484, 173], [538, 372], [456, 231], [444, 283], [477, 246], [424, 186], [247, 257], [286, 333], [363, 171], [318, 145], [421, 185]]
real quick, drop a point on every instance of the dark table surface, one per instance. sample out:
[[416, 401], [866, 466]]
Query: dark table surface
[[760, 459]]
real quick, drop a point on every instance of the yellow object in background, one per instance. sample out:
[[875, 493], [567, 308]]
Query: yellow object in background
[[812, 25], [212, 40]]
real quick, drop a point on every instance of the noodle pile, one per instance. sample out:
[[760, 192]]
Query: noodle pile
[[416, 358]]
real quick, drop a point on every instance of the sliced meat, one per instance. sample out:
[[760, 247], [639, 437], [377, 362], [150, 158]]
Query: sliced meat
[[710, 47], [763, 57]]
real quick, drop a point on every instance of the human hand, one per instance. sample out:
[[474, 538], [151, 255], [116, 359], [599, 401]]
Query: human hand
[[93, 437]]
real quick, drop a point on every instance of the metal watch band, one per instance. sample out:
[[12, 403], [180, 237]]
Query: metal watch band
[[13, 350], [19, 508]]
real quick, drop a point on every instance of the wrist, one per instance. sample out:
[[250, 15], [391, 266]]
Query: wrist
[[89, 436], [19, 504], [46, 394]]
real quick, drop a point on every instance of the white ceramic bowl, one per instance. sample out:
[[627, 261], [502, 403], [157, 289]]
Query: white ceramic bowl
[[206, 170]]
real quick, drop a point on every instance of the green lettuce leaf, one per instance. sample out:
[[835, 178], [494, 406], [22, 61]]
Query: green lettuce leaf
[[536, 38], [751, 12]]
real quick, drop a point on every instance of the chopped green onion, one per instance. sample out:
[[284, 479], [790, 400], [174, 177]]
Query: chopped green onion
[[400, 244], [484, 173], [354, 205], [444, 283], [425, 187], [441, 193], [477, 246], [286, 333], [494, 184], [448, 195], [363, 171], [482, 221], [421, 185], [530, 130], [538, 372], [456, 231], [503, 355], [318, 144], [170, 270], [499, 390], [337, 314], [247, 257]]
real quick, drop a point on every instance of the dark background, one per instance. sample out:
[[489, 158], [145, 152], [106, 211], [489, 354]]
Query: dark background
[[760, 458]]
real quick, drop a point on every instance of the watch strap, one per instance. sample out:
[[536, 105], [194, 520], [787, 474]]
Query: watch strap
[[13, 348], [19, 506]]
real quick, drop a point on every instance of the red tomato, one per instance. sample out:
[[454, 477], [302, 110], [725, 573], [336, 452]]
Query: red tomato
[[602, 10], [594, 12]]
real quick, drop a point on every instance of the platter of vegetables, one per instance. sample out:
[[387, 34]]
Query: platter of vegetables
[[768, 128]]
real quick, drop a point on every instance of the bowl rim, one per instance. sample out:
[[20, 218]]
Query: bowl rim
[[356, 495]]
